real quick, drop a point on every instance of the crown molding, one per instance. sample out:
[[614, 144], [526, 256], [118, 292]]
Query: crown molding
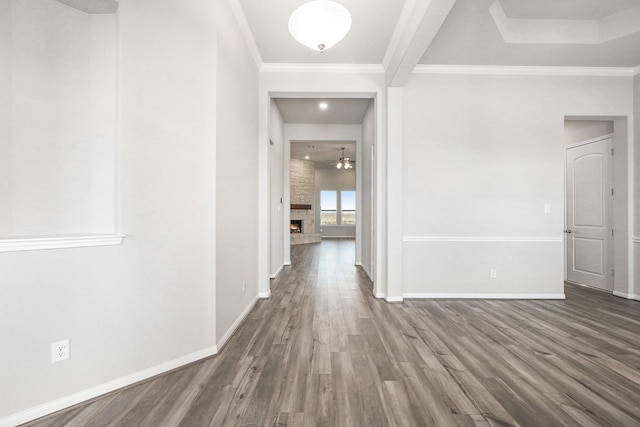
[[321, 68], [565, 31], [95, 7], [515, 70]]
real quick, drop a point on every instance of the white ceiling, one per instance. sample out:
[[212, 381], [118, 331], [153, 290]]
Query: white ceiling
[[396, 35], [366, 43], [323, 153], [339, 111], [563, 9], [468, 36]]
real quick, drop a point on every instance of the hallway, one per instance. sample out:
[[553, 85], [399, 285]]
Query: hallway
[[323, 351]]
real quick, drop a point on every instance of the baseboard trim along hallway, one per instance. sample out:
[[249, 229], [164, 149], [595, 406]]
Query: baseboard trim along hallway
[[323, 351], [222, 341], [128, 380], [484, 296], [93, 392]]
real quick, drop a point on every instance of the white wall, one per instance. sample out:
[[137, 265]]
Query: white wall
[[276, 196], [237, 174], [482, 155], [5, 118], [152, 298], [63, 119], [338, 180], [583, 130]]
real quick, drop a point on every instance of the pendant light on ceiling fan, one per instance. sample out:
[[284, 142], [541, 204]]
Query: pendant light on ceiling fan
[[344, 162]]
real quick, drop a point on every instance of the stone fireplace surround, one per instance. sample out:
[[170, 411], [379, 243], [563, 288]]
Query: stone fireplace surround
[[302, 182]]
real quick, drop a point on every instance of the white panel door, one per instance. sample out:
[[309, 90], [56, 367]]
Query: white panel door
[[589, 233]]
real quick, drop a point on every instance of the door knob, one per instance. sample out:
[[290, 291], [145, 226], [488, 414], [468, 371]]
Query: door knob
[[567, 231]]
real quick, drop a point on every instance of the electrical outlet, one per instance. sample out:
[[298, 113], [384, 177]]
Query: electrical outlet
[[547, 208], [59, 351], [494, 273]]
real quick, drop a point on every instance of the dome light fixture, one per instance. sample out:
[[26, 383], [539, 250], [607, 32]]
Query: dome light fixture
[[320, 24]]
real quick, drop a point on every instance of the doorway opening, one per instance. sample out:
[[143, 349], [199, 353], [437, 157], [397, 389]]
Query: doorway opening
[[310, 140], [596, 206]]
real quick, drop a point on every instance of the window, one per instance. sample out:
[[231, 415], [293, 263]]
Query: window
[[348, 208], [337, 207], [328, 210]]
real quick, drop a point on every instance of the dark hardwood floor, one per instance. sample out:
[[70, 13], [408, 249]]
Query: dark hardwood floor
[[323, 351]]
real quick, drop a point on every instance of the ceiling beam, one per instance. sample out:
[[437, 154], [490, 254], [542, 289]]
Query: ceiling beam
[[97, 7], [418, 24], [243, 25]]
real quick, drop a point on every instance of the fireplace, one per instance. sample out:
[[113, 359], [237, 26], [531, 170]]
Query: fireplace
[[296, 226]]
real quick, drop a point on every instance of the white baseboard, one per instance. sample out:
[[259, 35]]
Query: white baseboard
[[232, 329], [93, 392], [380, 295], [483, 296], [626, 295], [264, 295], [83, 396], [287, 263], [359, 264], [278, 271], [394, 299]]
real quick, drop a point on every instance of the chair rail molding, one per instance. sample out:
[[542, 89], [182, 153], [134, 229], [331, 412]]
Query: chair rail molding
[[34, 243], [482, 239]]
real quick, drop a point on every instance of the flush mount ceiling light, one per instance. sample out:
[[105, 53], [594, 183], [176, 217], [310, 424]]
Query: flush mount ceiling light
[[320, 24], [344, 162]]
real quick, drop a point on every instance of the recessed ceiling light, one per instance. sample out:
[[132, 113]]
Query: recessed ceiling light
[[306, 157], [324, 105]]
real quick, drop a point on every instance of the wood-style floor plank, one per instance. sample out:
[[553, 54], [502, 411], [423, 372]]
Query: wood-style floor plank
[[323, 352]]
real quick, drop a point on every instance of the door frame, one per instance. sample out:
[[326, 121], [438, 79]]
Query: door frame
[[264, 172], [609, 246], [622, 206]]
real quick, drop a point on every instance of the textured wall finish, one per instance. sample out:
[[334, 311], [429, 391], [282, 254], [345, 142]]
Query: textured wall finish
[[302, 176]]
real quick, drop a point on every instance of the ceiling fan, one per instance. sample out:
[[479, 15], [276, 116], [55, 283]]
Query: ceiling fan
[[344, 162]]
